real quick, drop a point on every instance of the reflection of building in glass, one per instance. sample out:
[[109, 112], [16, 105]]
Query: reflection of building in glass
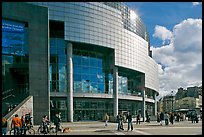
[[95, 60]]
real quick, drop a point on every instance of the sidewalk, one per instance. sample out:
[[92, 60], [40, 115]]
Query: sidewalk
[[97, 127]]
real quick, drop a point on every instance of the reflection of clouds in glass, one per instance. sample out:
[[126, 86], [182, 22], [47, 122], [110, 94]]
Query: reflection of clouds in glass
[[133, 15], [88, 71]]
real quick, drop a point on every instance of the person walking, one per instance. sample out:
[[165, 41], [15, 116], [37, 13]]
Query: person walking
[[57, 121], [129, 118], [118, 121], [138, 119], [161, 118], [106, 118], [16, 122], [4, 126], [147, 117], [45, 123], [171, 118], [158, 117], [166, 118], [23, 129], [121, 121]]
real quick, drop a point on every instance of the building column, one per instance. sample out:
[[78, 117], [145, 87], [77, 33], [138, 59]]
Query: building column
[[115, 90], [69, 83], [155, 104], [143, 105]]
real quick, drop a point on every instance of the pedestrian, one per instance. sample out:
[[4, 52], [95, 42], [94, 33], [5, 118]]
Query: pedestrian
[[28, 119], [129, 118], [23, 128], [193, 117], [121, 121], [196, 117], [106, 118], [161, 118], [57, 121], [158, 117], [166, 118], [171, 118], [118, 121], [45, 123], [138, 119], [147, 117], [16, 122], [4, 126]]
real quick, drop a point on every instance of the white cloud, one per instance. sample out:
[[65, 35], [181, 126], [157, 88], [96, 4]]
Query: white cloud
[[180, 61], [162, 33], [196, 3]]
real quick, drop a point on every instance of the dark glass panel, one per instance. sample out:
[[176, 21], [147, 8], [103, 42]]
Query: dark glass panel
[[93, 70], [93, 78], [85, 70], [85, 61], [77, 77], [93, 62], [77, 70]]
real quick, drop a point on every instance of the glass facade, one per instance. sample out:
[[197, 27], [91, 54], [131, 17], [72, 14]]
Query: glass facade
[[92, 109], [14, 56], [130, 20], [89, 73], [89, 26], [58, 78], [129, 106]]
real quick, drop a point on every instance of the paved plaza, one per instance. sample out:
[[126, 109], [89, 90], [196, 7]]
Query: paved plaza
[[153, 128]]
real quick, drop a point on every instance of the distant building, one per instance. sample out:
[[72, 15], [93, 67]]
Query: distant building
[[188, 103], [183, 101], [168, 103], [190, 92]]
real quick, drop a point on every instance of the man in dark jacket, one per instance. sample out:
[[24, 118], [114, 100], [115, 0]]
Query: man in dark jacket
[[57, 121], [161, 118], [129, 118]]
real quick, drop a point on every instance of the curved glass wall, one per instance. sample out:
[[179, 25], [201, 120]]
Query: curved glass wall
[[130, 20], [89, 73], [58, 63]]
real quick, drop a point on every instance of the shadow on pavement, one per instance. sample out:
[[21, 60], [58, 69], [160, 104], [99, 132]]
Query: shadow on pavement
[[106, 131]]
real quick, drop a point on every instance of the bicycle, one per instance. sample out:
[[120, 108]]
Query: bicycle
[[51, 130], [29, 129], [12, 131]]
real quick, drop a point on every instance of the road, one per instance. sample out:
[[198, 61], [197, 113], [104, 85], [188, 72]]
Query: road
[[153, 128]]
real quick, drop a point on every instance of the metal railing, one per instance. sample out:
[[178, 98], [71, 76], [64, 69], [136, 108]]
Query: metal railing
[[7, 93]]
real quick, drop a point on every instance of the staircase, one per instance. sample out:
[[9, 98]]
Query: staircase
[[11, 99]]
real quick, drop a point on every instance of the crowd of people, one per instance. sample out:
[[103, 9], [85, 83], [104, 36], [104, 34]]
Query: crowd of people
[[164, 118], [121, 118], [20, 124], [167, 118]]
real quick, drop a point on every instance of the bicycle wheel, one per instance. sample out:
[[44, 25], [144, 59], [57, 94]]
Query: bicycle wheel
[[12, 132], [30, 131], [40, 131], [52, 131]]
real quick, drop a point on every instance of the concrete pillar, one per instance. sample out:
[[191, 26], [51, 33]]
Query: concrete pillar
[[69, 83], [143, 105], [115, 90], [155, 104]]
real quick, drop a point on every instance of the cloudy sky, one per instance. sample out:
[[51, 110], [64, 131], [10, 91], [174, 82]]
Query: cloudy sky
[[175, 30]]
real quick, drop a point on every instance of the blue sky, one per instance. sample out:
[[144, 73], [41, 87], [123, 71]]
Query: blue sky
[[175, 30], [165, 14]]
